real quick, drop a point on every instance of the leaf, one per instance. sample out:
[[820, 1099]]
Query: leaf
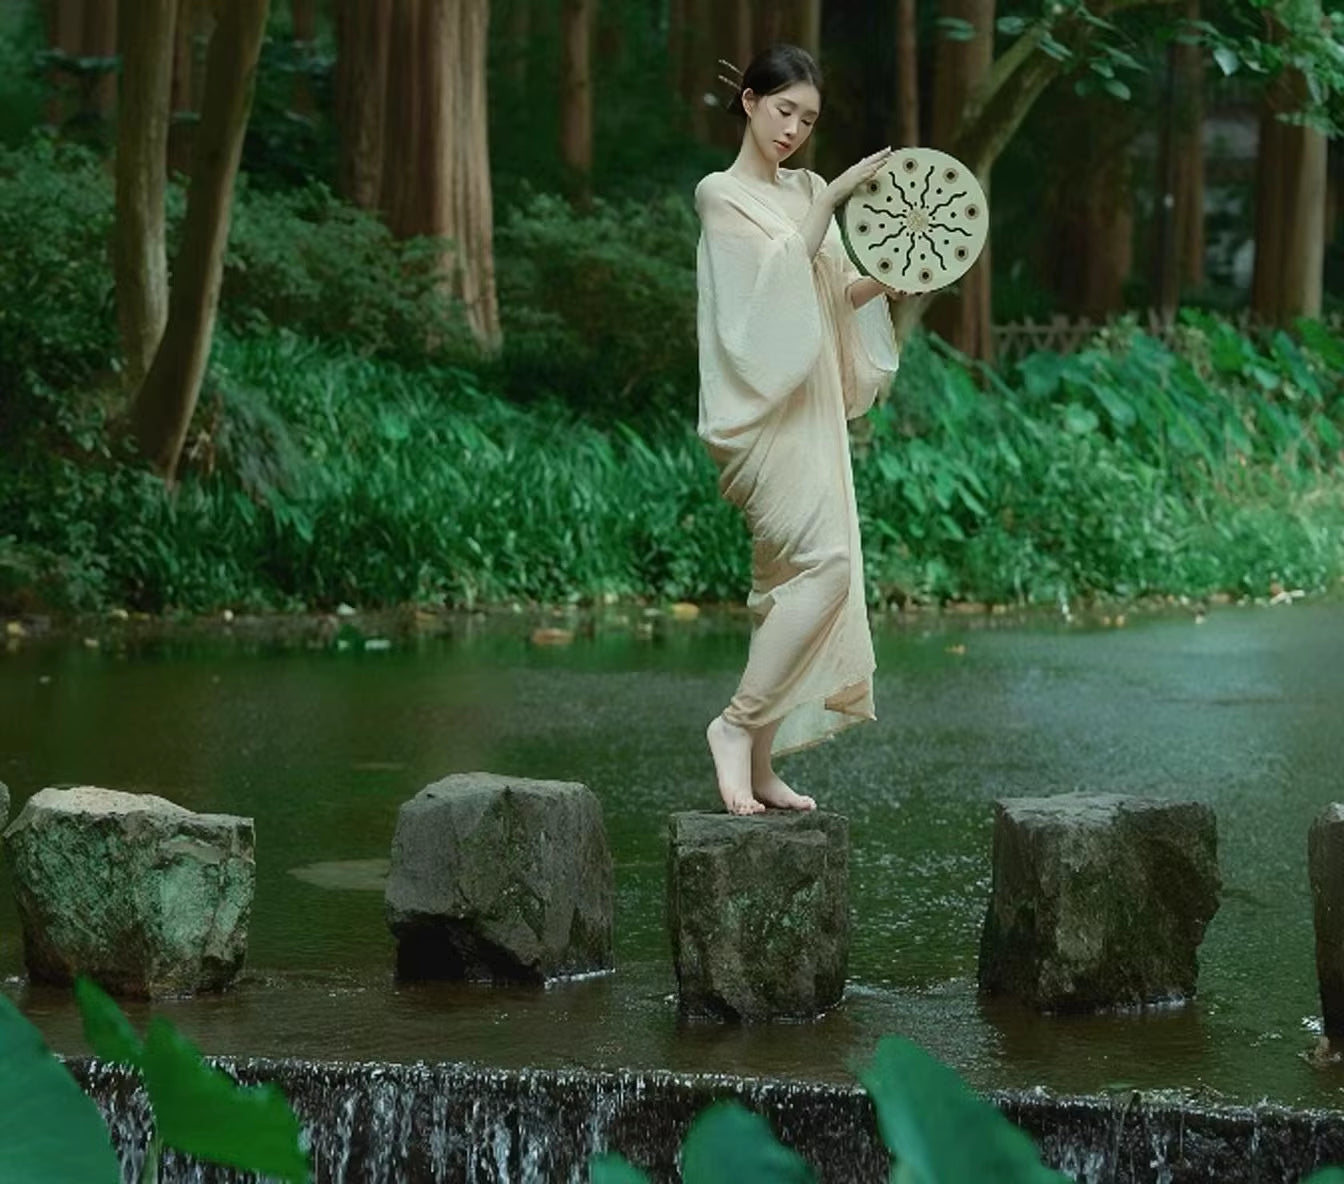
[[49, 1128], [1227, 59], [1116, 89], [1010, 26], [728, 1144], [107, 1030], [1325, 1176], [199, 1110], [613, 1169], [941, 1131], [1080, 420], [956, 29]]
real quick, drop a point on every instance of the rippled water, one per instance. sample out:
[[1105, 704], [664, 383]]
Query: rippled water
[[1242, 711]]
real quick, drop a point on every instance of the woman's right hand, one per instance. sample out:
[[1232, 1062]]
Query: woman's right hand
[[856, 175]]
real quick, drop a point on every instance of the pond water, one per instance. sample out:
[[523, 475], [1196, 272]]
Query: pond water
[[320, 746]]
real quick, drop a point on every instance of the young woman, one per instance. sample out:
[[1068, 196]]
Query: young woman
[[793, 342]]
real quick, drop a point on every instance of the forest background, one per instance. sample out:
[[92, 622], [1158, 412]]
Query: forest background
[[393, 301]]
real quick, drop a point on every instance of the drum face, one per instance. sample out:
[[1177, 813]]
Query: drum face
[[919, 224]]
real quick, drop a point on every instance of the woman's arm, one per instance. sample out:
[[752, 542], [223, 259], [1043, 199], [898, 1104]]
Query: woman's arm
[[866, 288]]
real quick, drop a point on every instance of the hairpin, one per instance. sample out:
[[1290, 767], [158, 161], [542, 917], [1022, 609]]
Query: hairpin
[[734, 83]]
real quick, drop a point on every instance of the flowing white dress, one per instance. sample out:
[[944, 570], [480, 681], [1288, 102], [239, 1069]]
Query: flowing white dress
[[785, 361]]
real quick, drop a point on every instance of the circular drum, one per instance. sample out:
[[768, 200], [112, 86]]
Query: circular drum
[[919, 224]]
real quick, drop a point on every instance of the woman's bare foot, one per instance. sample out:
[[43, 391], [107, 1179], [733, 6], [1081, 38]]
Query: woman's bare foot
[[730, 747], [771, 791], [766, 785]]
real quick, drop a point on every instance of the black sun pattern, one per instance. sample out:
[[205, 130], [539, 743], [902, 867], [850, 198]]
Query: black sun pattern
[[920, 223]]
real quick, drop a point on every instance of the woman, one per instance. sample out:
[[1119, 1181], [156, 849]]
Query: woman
[[793, 342]]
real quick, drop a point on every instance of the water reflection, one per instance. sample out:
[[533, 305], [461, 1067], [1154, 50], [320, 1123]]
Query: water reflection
[[321, 748]]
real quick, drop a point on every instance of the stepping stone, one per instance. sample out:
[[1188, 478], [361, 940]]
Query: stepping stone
[[1098, 900], [138, 893], [758, 913], [500, 879]]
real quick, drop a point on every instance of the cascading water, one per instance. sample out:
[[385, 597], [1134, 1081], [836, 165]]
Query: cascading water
[[417, 1124]]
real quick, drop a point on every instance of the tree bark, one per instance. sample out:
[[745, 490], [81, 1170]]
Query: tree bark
[[303, 15], [161, 413], [1289, 210], [363, 37], [100, 41], [189, 28], [907, 75], [576, 101], [962, 315], [139, 250], [1090, 208], [1188, 142]]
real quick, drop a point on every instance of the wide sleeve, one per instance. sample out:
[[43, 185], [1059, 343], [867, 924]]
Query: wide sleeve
[[865, 341], [758, 298]]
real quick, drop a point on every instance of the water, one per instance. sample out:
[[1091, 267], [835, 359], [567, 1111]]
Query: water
[[1242, 711]]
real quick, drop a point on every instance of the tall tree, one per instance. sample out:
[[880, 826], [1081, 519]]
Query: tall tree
[[576, 100], [363, 38], [162, 410], [1188, 137], [82, 37], [907, 74], [964, 54], [303, 19], [191, 27], [145, 31], [1289, 209]]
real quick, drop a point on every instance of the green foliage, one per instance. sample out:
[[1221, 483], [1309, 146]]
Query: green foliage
[[303, 260], [599, 307], [727, 1144], [938, 1130], [197, 1109], [49, 1129], [21, 92], [57, 318]]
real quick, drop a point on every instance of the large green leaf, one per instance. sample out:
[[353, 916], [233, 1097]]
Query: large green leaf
[[939, 1131], [49, 1129], [728, 1144], [1325, 1176], [613, 1169], [205, 1113], [107, 1030]]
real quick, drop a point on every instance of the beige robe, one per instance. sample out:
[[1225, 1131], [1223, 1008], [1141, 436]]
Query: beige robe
[[785, 360]]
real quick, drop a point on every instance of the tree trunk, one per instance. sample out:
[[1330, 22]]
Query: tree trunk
[[519, 36], [576, 101], [139, 250], [100, 41], [162, 411], [907, 75], [473, 229], [1188, 142], [303, 14], [363, 35], [1289, 210], [189, 29], [961, 316], [436, 154], [1090, 208], [81, 29]]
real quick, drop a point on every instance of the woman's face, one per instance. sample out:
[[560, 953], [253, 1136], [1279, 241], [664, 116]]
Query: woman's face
[[780, 123]]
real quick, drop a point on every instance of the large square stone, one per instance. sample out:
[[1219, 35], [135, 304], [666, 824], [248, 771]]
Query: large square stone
[[138, 893], [1098, 900], [758, 912], [500, 879]]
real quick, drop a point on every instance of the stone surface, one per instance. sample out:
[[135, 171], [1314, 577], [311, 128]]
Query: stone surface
[[500, 879], [1325, 865], [1098, 900], [144, 896], [758, 912]]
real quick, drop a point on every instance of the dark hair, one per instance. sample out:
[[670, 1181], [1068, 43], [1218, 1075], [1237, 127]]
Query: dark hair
[[776, 69]]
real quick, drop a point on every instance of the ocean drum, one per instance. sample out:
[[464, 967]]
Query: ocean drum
[[919, 224]]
